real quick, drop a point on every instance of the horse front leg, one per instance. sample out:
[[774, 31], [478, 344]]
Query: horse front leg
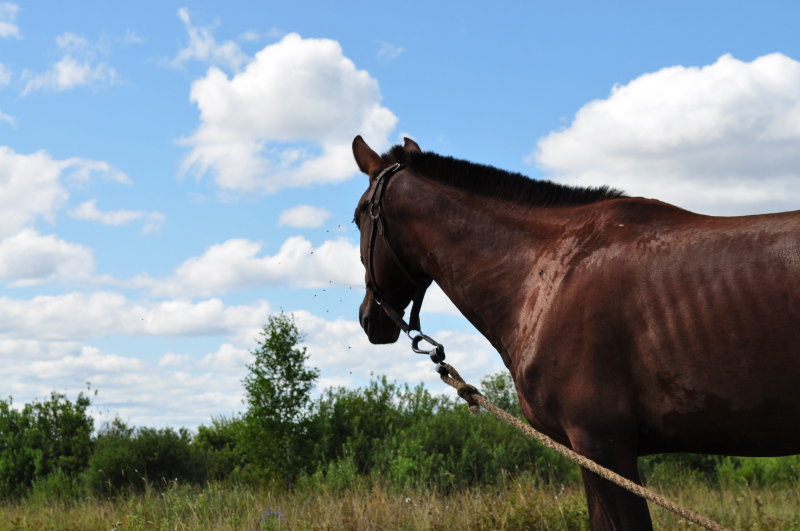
[[611, 507]]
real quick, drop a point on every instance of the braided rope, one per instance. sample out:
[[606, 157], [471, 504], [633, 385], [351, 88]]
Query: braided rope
[[475, 400]]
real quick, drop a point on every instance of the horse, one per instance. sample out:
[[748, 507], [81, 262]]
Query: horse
[[629, 326]]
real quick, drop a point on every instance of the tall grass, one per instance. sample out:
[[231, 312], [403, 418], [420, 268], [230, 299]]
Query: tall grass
[[369, 503]]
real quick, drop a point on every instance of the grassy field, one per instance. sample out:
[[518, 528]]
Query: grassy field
[[514, 505]]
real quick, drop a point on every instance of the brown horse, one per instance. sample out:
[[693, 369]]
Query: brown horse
[[630, 326]]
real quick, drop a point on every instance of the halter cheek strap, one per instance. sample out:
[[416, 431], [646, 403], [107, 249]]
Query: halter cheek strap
[[378, 228]]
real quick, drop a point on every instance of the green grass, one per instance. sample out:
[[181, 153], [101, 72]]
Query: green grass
[[368, 504]]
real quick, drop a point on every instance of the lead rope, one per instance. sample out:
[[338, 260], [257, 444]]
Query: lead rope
[[475, 400]]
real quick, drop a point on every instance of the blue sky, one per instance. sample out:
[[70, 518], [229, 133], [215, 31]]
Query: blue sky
[[173, 172]]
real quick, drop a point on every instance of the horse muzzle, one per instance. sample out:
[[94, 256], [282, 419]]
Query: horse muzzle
[[380, 329]]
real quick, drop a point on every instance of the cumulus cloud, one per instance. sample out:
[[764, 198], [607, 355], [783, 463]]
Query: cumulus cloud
[[33, 186], [226, 357], [723, 138], [79, 66], [50, 344], [203, 47], [8, 20], [30, 187], [88, 210], [138, 391], [28, 258], [303, 217], [238, 264], [174, 360], [104, 314], [287, 119], [88, 363]]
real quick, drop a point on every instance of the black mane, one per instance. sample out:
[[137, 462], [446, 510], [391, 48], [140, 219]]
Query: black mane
[[500, 184]]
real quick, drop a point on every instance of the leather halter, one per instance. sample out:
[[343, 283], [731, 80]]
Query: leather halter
[[378, 227]]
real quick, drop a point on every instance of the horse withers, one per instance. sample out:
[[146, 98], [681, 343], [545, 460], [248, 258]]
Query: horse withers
[[630, 326]]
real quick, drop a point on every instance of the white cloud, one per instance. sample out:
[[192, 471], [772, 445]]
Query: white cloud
[[288, 119], [49, 343], [174, 360], [69, 73], [89, 362], [5, 75], [71, 41], [388, 51], [30, 187], [203, 47], [33, 186], [104, 314], [88, 211], [28, 258], [254, 36], [78, 67], [130, 37], [236, 264], [304, 216], [239, 264], [227, 358], [437, 302], [134, 389], [7, 118], [724, 138], [8, 20], [82, 170], [5, 79]]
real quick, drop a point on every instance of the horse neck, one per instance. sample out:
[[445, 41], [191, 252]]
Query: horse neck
[[475, 251]]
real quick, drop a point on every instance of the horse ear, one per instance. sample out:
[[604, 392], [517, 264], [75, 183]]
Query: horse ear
[[410, 146], [368, 161]]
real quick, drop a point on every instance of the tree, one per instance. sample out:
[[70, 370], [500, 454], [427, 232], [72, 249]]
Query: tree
[[499, 388], [127, 458], [49, 437], [277, 394]]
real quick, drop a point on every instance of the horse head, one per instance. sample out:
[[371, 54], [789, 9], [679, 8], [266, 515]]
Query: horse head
[[390, 280]]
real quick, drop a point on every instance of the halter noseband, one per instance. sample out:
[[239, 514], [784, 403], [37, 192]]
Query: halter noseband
[[378, 227]]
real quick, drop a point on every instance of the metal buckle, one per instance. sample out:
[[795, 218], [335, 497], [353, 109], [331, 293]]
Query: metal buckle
[[436, 353]]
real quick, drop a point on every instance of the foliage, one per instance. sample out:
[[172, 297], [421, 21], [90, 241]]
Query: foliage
[[219, 450], [278, 398], [354, 424], [760, 471], [135, 459], [44, 438], [381, 436], [500, 390], [414, 438]]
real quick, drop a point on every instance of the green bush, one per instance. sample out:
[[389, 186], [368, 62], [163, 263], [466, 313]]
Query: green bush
[[354, 423], [128, 459], [416, 439], [679, 468], [220, 450], [454, 449], [760, 471], [42, 439]]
